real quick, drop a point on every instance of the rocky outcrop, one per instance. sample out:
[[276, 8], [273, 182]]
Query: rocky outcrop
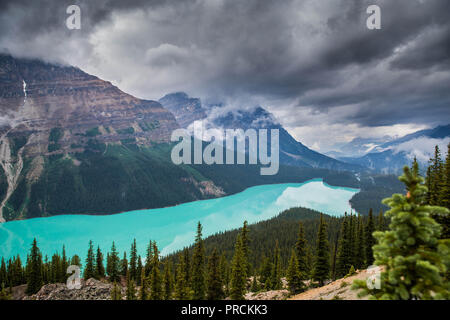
[[268, 295], [90, 290]]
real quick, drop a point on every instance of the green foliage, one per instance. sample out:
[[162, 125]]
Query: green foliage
[[351, 272], [131, 289], [89, 270], [238, 271], [5, 294], [275, 276], [345, 254], [129, 130], [168, 282], [34, 272], [214, 280], [181, 285], [414, 258], [113, 264], [156, 290], [133, 261], [301, 253], [293, 276], [55, 135], [438, 184], [198, 284], [370, 240], [143, 294], [124, 265], [100, 268], [92, 132], [321, 271], [360, 256], [116, 293]]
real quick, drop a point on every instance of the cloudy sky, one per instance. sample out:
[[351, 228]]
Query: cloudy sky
[[312, 63]]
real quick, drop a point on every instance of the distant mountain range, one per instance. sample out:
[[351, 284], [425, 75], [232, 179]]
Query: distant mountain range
[[391, 156], [292, 152]]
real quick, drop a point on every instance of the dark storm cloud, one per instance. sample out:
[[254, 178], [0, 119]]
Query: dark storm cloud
[[300, 53]]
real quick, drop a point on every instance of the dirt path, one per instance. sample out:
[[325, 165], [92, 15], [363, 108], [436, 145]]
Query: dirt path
[[339, 289]]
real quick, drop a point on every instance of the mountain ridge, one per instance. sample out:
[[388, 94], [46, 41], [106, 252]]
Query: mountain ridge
[[292, 152]]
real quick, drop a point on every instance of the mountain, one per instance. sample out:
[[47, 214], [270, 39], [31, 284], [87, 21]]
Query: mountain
[[358, 147], [72, 143], [392, 156], [186, 110]]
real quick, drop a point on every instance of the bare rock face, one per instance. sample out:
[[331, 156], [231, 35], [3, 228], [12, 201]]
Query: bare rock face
[[36, 97], [268, 295], [185, 109], [91, 290]]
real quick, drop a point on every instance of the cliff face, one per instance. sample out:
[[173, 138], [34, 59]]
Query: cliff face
[[36, 97], [53, 110]]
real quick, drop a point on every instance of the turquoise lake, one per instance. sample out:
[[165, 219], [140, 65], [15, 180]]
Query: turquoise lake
[[172, 227]]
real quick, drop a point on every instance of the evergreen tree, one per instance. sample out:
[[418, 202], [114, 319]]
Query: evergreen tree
[[4, 294], [428, 181], [124, 265], [266, 270], [414, 258], [156, 291], [381, 224], [116, 293], [436, 177], [198, 267], [133, 261], [275, 277], [322, 262], [444, 197], [246, 246], [225, 273], [370, 240], [301, 253], [352, 236], [89, 270], [181, 285], [3, 273], [215, 286], [143, 293], [100, 269], [114, 270], [255, 286], [149, 259], [75, 261], [168, 282], [294, 280], [360, 245], [64, 266], [238, 272], [131, 289], [34, 280], [345, 256], [139, 269], [187, 263]]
